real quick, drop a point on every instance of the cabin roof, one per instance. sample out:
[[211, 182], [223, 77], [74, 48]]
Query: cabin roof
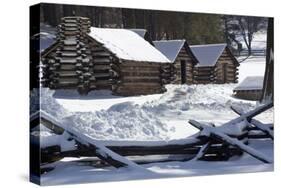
[[47, 36], [127, 45], [170, 48], [140, 32], [144, 34], [46, 40], [250, 83], [207, 55]]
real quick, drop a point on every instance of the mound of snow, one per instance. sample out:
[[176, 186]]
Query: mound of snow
[[122, 121], [180, 98], [160, 117], [51, 106]]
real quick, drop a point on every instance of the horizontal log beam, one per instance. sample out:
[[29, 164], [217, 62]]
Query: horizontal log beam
[[216, 134]]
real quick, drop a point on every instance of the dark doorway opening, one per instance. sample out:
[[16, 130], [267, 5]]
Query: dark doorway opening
[[183, 72]]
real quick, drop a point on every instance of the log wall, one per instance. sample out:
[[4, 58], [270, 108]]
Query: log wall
[[70, 64], [79, 62], [225, 71], [253, 95], [189, 65], [139, 78], [203, 75]]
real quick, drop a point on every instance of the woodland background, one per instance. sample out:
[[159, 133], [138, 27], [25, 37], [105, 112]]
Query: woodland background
[[196, 28]]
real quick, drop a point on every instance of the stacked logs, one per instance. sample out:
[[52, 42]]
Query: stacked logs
[[203, 75], [139, 78], [168, 73], [71, 65], [79, 61], [104, 68], [226, 70]]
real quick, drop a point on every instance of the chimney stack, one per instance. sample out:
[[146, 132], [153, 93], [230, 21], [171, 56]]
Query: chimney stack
[[72, 65], [74, 27]]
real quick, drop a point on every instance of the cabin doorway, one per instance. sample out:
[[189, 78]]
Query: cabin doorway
[[183, 72]]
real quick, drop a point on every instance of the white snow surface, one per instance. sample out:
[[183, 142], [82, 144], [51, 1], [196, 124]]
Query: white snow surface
[[104, 116], [127, 44], [72, 170], [258, 42], [170, 48], [140, 32], [253, 66], [251, 83], [161, 117], [207, 54]]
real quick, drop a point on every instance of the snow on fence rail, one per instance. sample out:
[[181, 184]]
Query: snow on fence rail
[[210, 143]]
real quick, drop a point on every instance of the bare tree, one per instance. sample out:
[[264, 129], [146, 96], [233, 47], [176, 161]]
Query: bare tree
[[242, 26], [248, 26]]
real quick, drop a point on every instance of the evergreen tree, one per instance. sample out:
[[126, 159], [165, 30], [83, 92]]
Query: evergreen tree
[[204, 29]]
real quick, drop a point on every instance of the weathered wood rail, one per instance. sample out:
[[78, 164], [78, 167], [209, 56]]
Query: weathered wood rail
[[210, 143]]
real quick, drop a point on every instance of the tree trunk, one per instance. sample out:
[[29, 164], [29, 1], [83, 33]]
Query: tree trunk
[[268, 83], [152, 25]]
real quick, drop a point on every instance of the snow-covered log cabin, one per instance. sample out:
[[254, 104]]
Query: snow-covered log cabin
[[88, 58], [181, 56], [216, 64], [250, 88]]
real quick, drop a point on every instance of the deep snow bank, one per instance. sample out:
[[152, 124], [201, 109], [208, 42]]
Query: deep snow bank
[[152, 119], [181, 98], [121, 121]]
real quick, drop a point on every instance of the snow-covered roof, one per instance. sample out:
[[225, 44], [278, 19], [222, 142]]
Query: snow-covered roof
[[47, 36], [46, 40], [127, 45], [251, 83], [140, 32], [207, 55], [170, 48]]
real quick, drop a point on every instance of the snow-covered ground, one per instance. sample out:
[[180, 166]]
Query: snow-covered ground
[[103, 116], [258, 43], [152, 117], [253, 66], [72, 170]]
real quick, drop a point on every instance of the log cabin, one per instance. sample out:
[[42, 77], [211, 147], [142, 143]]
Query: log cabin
[[88, 58], [250, 88], [181, 56], [216, 64]]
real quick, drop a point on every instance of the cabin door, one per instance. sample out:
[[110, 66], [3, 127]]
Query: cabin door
[[183, 72]]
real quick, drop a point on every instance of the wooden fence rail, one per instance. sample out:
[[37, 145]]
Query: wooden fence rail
[[210, 143]]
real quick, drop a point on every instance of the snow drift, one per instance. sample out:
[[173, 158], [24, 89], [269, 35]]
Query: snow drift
[[121, 121], [181, 98], [147, 120]]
